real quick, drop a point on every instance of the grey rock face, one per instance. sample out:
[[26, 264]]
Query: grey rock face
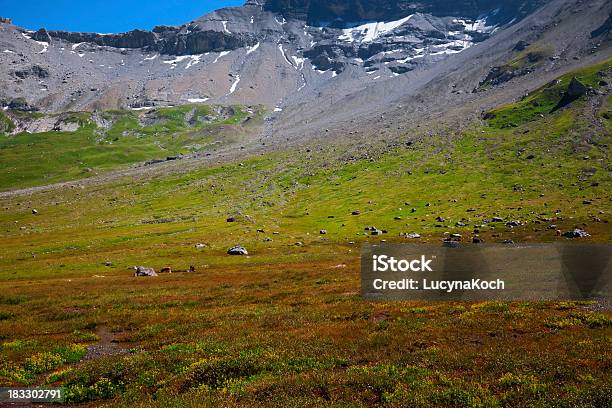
[[270, 52], [317, 11]]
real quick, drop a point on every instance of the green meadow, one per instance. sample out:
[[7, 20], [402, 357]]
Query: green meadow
[[285, 326]]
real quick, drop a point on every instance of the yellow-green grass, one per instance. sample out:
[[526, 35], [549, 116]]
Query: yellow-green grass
[[44, 158], [545, 99]]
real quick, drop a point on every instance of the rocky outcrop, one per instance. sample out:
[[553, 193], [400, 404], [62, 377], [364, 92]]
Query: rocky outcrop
[[4, 20], [166, 40], [322, 11], [42, 35], [131, 39], [35, 71]]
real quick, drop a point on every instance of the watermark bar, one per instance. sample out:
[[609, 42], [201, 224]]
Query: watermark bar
[[486, 272], [30, 395]]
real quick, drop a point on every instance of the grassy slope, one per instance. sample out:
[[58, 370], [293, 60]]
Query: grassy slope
[[44, 158], [287, 322]]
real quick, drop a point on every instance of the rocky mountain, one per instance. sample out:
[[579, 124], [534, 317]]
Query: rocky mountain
[[271, 52]]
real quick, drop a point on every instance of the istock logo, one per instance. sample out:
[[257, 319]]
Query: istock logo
[[384, 263]]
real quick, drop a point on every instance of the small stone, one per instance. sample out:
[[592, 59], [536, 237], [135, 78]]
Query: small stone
[[477, 240], [34, 211], [356, 212], [231, 219], [323, 232]]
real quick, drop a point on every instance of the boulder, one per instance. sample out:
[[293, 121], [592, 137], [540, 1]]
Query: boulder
[[237, 250], [576, 233], [143, 271], [576, 89]]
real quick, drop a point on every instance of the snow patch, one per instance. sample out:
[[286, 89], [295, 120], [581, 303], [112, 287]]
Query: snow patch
[[195, 59], [224, 22], [252, 49], [299, 62], [252, 19], [234, 85], [371, 31], [77, 45], [197, 100], [177, 59], [280, 47], [221, 55], [277, 109], [8, 52], [151, 58]]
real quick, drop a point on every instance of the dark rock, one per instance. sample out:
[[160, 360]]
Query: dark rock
[[576, 233], [237, 250], [231, 219], [497, 219], [512, 224], [34, 211], [477, 240], [42, 35], [357, 212], [576, 89], [323, 232], [20, 104], [450, 244], [508, 242], [521, 45]]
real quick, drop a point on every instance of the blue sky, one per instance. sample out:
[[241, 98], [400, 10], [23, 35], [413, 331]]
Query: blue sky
[[106, 16]]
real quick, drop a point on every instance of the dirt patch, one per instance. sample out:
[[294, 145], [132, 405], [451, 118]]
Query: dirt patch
[[106, 346]]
